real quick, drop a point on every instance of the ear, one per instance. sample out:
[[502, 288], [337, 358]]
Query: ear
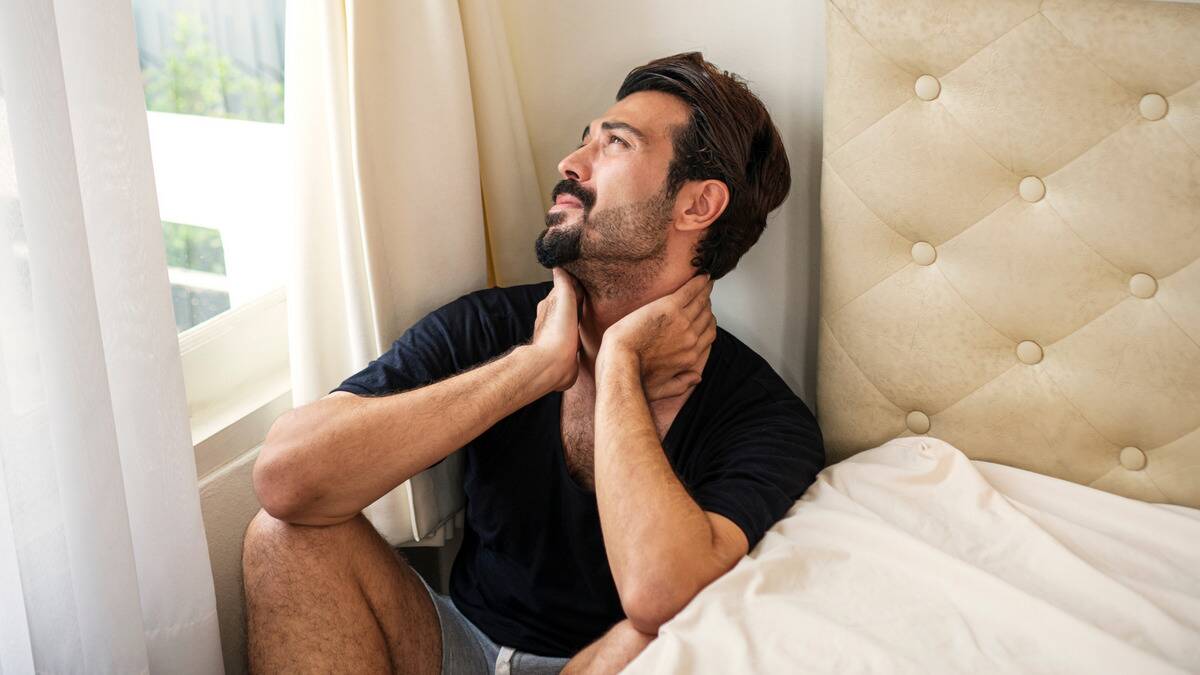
[[702, 202]]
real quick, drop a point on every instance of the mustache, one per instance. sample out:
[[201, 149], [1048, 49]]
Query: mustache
[[573, 188]]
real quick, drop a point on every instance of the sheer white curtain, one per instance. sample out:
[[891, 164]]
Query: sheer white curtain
[[103, 561], [405, 121]]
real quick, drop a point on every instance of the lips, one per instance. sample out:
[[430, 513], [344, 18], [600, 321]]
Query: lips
[[568, 200], [570, 194]]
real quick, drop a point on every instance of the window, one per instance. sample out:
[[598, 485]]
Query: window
[[214, 58], [213, 76], [196, 268]]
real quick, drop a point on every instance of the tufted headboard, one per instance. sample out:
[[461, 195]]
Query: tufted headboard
[[1010, 255]]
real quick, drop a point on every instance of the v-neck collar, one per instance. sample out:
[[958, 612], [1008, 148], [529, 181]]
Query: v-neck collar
[[669, 439]]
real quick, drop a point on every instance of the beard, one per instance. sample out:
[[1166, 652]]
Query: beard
[[614, 252], [556, 248]]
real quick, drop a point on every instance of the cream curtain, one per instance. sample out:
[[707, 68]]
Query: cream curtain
[[103, 561], [404, 121]]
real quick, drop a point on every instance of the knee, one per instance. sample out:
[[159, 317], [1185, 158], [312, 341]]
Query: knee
[[264, 531], [269, 540], [265, 537]]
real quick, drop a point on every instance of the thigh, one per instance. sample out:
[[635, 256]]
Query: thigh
[[400, 601]]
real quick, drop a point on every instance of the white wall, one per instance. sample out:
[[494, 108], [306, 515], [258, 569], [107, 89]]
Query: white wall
[[228, 502], [570, 56]]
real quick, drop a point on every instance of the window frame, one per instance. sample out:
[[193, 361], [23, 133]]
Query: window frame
[[238, 379], [235, 365]]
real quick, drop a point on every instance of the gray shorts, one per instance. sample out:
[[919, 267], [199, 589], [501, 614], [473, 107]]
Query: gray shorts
[[466, 650]]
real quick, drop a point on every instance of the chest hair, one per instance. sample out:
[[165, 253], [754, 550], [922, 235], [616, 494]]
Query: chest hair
[[578, 428]]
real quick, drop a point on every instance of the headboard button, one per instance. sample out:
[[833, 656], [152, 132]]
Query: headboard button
[[923, 253], [927, 87], [1143, 285], [917, 421], [1153, 106], [1133, 458], [1029, 352], [1032, 189]]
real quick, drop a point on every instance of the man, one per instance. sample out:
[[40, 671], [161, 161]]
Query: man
[[621, 451]]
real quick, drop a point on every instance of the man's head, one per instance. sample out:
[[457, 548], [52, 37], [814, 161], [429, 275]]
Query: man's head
[[681, 171]]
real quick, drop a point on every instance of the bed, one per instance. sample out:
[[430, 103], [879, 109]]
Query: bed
[[1008, 371], [911, 557]]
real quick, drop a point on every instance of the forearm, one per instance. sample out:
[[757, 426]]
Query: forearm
[[324, 462], [659, 541]]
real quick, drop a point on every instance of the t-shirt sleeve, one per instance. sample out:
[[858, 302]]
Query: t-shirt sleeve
[[759, 463], [456, 337]]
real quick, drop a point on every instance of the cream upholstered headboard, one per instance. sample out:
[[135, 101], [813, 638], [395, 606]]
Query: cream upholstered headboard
[[1011, 235]]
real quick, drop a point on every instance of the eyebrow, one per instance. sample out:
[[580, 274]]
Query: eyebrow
[[608, 126]]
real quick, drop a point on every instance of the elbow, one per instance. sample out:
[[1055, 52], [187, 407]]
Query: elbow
[[276, 480], [276, 494], [649, 607]]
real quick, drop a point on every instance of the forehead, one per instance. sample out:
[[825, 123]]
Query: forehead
[[652, 112]]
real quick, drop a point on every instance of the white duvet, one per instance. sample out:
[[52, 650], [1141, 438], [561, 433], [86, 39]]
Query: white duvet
[[912, 558]]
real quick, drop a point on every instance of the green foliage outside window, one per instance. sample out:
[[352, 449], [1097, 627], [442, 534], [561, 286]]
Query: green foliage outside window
[[193, 247], [196, 78]]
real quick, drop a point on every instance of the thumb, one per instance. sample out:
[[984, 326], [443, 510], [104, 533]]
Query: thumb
[[568, 285], [561, 278]]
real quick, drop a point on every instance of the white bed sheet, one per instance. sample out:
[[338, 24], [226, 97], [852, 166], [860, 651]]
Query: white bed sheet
[[912, 558]]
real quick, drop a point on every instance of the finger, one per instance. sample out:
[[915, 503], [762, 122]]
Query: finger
[[692, 289], [679, 384], [579, 290], [561, 278], [700, 305], [705, 335], [564, 283], [571, 291], [702, 312], [709, 335]]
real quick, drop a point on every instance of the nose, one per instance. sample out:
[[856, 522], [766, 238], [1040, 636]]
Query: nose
[[577, 166]]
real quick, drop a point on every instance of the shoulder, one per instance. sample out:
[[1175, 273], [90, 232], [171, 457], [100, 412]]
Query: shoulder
[[454, 337], [516, 303], [478, 325], [742, 371], [757, 446], [749, 395]]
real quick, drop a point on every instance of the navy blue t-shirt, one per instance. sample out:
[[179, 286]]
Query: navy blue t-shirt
[[532, 571]]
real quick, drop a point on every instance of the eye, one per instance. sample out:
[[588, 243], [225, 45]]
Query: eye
[[618, 139]]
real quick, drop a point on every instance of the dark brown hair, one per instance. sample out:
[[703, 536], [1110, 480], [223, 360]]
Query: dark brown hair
[[729, 137]]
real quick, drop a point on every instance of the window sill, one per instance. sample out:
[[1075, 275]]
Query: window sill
[[240, 428], [237, 377]]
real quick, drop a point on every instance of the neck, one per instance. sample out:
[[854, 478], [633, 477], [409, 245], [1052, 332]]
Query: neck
[[601, 311]]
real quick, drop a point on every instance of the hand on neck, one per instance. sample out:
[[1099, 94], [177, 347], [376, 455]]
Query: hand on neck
[[601, 311]]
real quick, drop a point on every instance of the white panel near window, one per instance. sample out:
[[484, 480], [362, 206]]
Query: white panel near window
[[103, 561]]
